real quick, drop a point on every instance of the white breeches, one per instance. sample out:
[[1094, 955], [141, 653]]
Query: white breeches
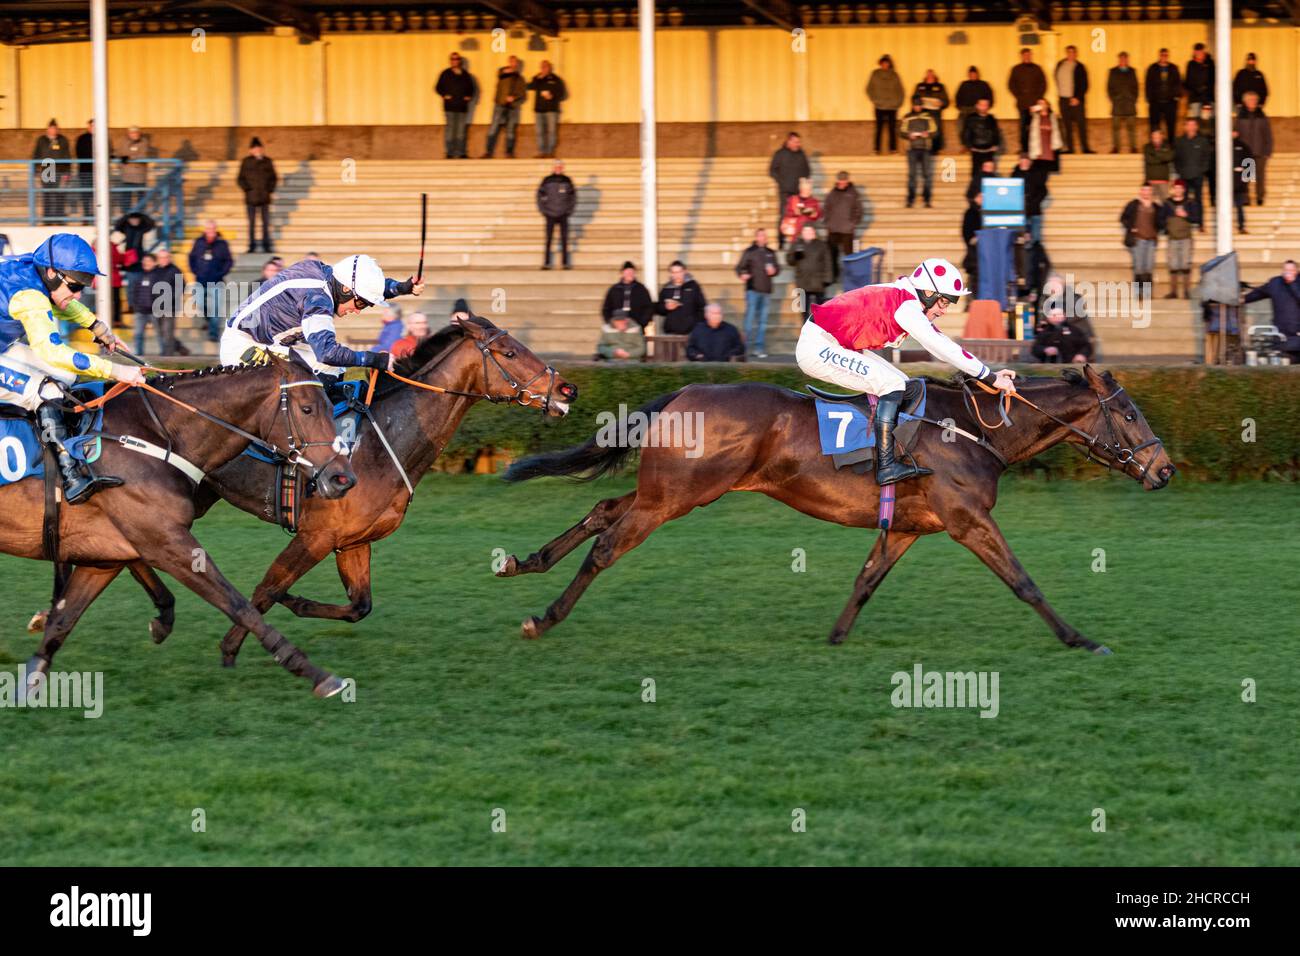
[[235, 344], [25, 379], [823, 358]]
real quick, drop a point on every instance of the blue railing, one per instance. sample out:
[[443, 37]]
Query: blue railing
[[36, 192]]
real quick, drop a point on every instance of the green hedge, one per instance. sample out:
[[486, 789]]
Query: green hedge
[[1198, 412]]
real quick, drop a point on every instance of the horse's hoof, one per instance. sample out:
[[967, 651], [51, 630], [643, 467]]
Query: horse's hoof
[[37, 624], [227, 660], [531, 628], [835, 638], [328, 687], [1102, 649], [158, 631], [510, 568]]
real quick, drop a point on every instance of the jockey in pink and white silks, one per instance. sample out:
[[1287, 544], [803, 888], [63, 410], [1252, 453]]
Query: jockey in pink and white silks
[[836, 342]]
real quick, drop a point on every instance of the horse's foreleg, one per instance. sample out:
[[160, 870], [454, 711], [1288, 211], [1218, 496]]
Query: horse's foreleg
[[879, 561], [621, 537], [354, 572], [303, 553], [83, 586], [548, 555], [982, 536], [163, 600]]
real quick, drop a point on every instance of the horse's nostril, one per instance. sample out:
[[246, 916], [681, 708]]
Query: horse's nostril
[[342, 480]]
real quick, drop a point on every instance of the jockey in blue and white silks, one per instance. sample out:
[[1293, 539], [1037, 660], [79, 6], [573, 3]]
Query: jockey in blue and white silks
[[37, 290], [295, 310]]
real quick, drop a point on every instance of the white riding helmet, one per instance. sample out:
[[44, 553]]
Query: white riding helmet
[[938, 277], [361, 275]]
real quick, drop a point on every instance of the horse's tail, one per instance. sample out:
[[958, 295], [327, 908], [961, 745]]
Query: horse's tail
[[582, 462]]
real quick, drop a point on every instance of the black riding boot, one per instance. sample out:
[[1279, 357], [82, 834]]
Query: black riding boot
[[79, 483], [888, 470]]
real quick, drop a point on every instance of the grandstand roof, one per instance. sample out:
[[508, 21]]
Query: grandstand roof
[[29, 22]]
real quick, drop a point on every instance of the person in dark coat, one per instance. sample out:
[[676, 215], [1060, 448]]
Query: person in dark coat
[[508, 102], [628, 297], [1164, 88], [556, 199], [1058, 341], [982, 136], [885, 90], [714, 340], [1192, 158], [756, 268], [1249, 80], [1199, 80], [681, 301], [934, 100], [1072, 90], [211, 262], [1284, 292], [134, 226], [971, 91], [457, 88], [1028, 85], [85, 150], [551, 92], [1122, 89], [1257, 133], [971, 223], [842, 212], [52, 153], [813, 266], [257, 178], [1243, 160], [789, 165]]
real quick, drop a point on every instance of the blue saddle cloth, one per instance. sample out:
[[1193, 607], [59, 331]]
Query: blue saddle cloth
[[20, 450], [342, 416], [843, 427]]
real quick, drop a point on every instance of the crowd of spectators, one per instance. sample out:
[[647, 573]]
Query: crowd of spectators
[[458, 89]]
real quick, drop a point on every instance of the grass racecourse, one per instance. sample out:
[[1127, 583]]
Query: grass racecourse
[[755, 717]]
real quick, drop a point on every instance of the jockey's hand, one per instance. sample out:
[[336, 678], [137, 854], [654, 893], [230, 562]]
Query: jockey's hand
[[1005, 380], [392, 362], [130, 374], [104, 336]]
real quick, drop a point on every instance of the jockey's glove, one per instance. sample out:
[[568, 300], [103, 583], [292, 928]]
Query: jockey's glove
[[407, 287], [377, 360]]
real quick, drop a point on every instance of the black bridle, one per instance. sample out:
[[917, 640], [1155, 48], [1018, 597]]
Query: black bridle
[[522, 394]]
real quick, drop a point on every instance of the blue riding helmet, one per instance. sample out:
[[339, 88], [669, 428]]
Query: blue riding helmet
[[68, 254]]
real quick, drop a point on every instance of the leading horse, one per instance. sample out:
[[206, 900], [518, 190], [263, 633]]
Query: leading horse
[[762, 438]]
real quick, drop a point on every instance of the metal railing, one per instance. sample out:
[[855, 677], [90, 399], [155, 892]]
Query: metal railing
[[38, 192]]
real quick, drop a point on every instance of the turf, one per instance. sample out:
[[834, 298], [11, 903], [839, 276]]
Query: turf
[[755, 716]]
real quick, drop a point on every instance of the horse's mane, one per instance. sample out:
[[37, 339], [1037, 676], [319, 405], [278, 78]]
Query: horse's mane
[[208, 373], [435, 345], [958, 379]]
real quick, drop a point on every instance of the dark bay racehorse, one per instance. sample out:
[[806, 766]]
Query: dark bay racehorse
[[146, 522], [472, 359], [762, 438]]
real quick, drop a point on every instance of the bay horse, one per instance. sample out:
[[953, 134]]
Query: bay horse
[[761, 438], [145, 522], [472, 360]]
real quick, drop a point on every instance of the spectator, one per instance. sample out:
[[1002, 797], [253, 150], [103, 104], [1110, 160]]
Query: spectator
[[917, 130], [1028, 85], [1158, 161], [417, 330], [1249, 80], [1143, 219], [1045, 136], [987, 168], [1192, 158], [1199, 81], [134, 226], [390, 326], [789, 165], [211, 262], [1164, 89], [842, 208], [1058, 295], [1257, 133], [52, 155], [457, 88], [1035, 173], [971, 223], [119, 257], [885, 90], [508, 101], [270, 269], [551, 92], [1284, 292], [85, 149], [982, 136], [756, 268], [1058, 341], [628, 297], [167, 305], [314, 257], [1243, 162], [1182, 216], [1122, 88], [681, 301], [556, 199], [257, 178], [1072, 88], [140, 296], [934, 100], [971, 91], [621, 340], [134, 177], [714, 340], [799, 209], [813, 266]]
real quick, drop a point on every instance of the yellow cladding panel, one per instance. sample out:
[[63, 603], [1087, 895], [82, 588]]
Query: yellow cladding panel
[[279, 81]]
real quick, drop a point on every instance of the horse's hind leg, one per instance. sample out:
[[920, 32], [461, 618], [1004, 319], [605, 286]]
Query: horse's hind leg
[[548, 555], [621, 537], [879, 561], [163, 600], [981, 535], [304, 552], [84, 585], [354, 572]]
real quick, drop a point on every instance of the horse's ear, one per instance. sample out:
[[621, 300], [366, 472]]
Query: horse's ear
[[468, 326], [1095, 379]]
